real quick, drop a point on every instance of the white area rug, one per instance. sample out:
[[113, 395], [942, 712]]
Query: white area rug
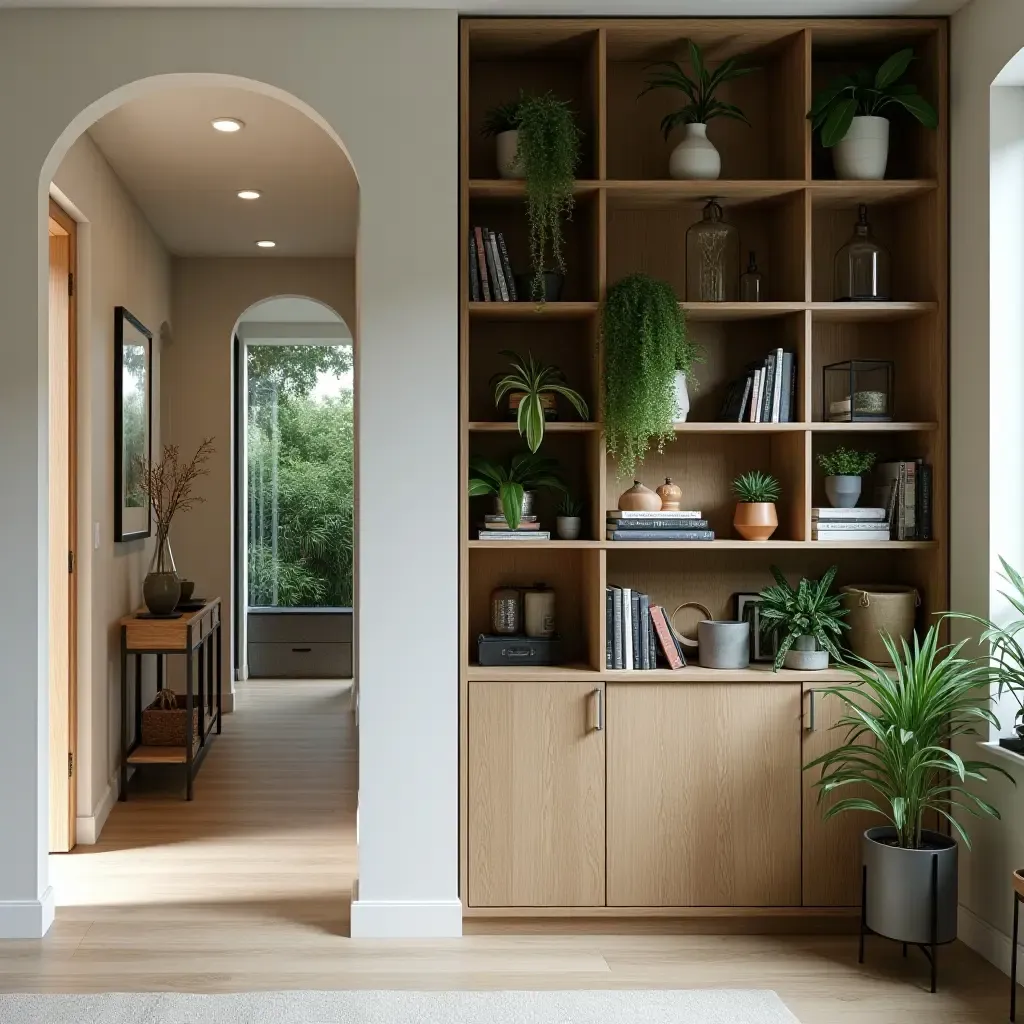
[[694, 1006]]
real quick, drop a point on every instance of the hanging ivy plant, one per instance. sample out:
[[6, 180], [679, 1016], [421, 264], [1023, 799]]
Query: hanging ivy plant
[[645, 342]]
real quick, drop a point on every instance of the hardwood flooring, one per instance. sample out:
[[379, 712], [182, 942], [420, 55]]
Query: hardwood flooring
[[248, 887]]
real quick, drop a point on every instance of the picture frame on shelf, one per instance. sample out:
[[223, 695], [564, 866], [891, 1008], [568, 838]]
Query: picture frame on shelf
[[748, 609]]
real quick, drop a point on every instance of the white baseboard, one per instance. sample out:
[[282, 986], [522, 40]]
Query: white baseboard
[[406, 919], [988, 941], [89, 826], [26, 919]]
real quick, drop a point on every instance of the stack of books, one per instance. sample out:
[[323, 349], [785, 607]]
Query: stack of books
[[905, 487], [647, 526], [490, 273], [639, 635], [496, 528], [850, 524], [765, 393]]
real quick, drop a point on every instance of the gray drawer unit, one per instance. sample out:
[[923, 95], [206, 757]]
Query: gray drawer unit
[[290, 643]]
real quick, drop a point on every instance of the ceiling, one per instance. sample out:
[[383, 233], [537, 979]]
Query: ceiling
[[184, 175]]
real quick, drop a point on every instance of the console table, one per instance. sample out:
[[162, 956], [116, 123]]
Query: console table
[[195, 633]]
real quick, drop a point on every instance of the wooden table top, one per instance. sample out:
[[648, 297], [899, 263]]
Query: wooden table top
[[169, 634]]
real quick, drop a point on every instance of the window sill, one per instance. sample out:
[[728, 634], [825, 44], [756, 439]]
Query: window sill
[[992, 749]]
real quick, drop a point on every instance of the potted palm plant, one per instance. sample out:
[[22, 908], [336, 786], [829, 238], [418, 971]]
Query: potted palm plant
[[531, 389], [696, 155], [755, 517], [514, 487], [843, 469], [806, 622], [848, 113], [900, 722]]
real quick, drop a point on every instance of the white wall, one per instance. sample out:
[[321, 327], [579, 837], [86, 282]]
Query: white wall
[[400, 130], [987, 425], [121, 263]]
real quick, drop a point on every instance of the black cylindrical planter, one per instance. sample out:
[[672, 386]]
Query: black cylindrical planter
[[902, 884], [553, 284]]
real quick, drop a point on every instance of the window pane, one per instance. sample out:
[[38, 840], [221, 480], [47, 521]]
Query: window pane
[[299, 443]]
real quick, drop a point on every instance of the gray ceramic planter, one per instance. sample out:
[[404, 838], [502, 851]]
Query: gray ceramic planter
[[723, 644], [806, 656], [843, 491], [900, 884]]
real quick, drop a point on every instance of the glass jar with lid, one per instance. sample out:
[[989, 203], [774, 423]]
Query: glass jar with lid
[[712, 257], [862, 266]]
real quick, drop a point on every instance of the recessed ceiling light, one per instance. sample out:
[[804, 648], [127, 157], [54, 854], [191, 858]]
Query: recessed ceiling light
[[227, 124], [266, 244], [248, 193]]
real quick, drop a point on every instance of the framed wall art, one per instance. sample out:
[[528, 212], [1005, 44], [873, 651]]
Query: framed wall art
[[133, 422]]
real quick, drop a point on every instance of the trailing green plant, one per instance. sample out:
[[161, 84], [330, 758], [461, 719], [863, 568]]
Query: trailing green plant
[[846, 462], [868, 93], [756, 486], [807, 610], [900, 722], [525, 472], [645, 342], [698, 88], [534, 380], [570, 507]]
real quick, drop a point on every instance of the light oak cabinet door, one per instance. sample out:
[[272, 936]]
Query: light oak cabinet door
[[703, 794], [831, 856], [536, 794]]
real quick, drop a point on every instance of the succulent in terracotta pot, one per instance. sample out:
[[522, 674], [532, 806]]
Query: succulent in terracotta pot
[[755, 517]]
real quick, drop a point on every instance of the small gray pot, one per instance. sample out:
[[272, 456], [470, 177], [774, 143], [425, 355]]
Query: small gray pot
[[843, 491], [723, 644], [161, 591], [568, 527], [899, 886], [806, 656]]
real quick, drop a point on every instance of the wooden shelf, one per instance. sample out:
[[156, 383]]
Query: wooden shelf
[[892, 427], [169, 755], [555, 427], [728, 193], [719, 544], [715, 311], [761, 673], [739, 428], [553, 544], [853, 312], [502, 188], [845, 193], [532, 310]]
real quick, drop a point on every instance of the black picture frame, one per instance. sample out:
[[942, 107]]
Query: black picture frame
[[133, 518], [748, 610]]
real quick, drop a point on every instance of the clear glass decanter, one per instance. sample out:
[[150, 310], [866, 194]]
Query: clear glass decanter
[[712, 257], [751, 282], [862, 266]]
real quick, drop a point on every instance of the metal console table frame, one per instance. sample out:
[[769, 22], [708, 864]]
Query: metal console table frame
[[190, 633]]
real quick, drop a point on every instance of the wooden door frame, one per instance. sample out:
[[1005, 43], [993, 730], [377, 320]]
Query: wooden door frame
[[60, 222]]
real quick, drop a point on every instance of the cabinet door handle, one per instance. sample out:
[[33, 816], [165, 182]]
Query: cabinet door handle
[[810, 711], [302, 650], [598, 694]]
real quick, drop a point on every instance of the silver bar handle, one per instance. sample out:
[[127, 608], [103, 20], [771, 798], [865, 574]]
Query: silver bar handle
[[810, 711], [599, 694]]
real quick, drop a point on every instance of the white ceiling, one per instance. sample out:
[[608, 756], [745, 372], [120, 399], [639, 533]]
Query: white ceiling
[[185, 176]]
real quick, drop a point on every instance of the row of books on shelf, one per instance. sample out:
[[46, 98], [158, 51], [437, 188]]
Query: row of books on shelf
[[766, 393], [490, 273], [651, 526], [639, 634]]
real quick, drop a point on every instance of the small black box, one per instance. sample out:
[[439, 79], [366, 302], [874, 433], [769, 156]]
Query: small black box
[[519, 650]]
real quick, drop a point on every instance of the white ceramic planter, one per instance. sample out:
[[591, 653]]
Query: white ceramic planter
[[843, 491], [864, 150], [804, 655], [695, 157], [568, 527], [682, 398], [506, 144]]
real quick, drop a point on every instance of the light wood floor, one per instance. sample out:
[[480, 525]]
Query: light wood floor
[[248, 887]]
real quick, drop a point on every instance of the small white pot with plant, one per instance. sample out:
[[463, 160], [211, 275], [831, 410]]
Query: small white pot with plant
[[848, 113], [696, 157], [502, 124], [569, 521], [844, 468], [807, 622]]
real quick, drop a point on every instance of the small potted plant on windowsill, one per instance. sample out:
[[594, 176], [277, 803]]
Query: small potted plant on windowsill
[[807, 622], [514, 487], [843, 469], [755, 517]]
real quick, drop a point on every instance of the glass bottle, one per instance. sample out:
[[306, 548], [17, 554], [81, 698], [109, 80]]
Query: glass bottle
[[862, 266], [712, 257], [751, 281]]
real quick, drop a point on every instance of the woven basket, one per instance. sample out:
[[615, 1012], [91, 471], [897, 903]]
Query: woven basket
[[166, 727], [876, 609]]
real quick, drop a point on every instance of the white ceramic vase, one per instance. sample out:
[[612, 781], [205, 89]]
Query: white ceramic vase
[[506, 144], [864, 150], [695, 157], [682, 398]]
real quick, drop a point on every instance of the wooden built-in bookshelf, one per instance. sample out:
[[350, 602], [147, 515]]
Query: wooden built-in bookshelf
[[779, 190]]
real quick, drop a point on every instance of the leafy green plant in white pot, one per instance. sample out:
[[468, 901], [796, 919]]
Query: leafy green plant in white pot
[[900, 723], [806, 621], [514, 487], [849, 114], [844, 468], [502, 124]]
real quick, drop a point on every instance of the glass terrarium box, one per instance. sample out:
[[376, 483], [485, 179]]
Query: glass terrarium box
[[857, 391]]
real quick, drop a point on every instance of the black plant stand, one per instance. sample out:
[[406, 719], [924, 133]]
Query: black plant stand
[[930, 949]]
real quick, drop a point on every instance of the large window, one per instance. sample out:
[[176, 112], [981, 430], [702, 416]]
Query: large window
[[299, 446]]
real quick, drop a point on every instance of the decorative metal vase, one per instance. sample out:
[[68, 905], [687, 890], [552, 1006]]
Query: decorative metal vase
[[161, 590]]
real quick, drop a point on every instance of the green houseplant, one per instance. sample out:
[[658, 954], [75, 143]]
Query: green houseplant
[[544, 139], [849, 115], [843, 469], [696, 156], [569, 521], [531, 388], [646, 345], [897, 758], [806, 621], [513, 486], [755, 517]]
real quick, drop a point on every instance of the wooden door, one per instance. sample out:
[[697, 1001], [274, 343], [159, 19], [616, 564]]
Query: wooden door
[[703, 794], [831, 853], [62, 528], [536, 794]]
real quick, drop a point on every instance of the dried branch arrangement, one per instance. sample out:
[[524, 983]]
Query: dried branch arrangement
[[168, 483]]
